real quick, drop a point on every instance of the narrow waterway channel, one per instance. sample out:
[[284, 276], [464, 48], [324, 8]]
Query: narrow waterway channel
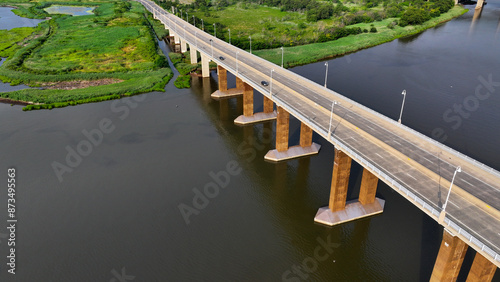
[[116, 210]]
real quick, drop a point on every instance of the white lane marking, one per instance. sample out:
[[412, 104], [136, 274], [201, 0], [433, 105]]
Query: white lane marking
[[427, 159], [396, 142], [370, 127], [379, 155], [453, 204], [467, 182], [411, 176]]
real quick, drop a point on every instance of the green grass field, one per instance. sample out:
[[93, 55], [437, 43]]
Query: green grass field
[[12, 40], [262, 22], [304, 54], [118, 42]]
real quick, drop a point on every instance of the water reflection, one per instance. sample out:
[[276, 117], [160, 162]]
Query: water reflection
[[477, 16], [498, 29], [70, 10]]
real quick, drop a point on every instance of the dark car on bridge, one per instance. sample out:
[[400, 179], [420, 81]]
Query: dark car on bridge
[[265, 83]]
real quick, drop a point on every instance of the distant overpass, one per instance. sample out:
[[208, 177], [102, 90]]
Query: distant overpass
[[417, 167]]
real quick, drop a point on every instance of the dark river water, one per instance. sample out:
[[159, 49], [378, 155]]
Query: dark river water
[[128, 167]]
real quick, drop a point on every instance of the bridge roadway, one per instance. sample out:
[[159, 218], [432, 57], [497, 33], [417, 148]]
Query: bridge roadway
[[417, 167]]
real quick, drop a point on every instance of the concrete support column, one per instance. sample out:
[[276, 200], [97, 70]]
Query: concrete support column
[[450, 257], [268, 105], [249, 117], [368, 188], [306, 135], [172, 36], [222, 74], [340, 211], [282, 129], [205, 68], [482, 270], [247, 100], [183, 46], [479, 4], [193, 54], [340, 181], [239, 83]]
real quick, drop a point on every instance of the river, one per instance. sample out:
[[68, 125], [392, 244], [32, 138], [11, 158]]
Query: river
[[115, 213]]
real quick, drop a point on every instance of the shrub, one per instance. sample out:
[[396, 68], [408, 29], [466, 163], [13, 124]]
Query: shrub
[[373, 29], [175, 57], [414, 16], [183, 81]]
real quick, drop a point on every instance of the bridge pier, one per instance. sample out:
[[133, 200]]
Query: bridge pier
[[223, 92], [205, 67], [482, 270], [340, 211], [193, 54], [480, 4], [282, 151], [183, 46], [249, 117], [450, 257]]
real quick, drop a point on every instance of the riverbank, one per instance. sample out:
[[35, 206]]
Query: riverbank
[[108, 55], [310, 53]]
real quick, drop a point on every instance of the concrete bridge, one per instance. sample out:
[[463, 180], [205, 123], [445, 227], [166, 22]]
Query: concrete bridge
[[458, 192]]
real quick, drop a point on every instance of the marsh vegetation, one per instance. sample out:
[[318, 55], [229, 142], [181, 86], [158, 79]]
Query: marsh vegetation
[[117, 42]]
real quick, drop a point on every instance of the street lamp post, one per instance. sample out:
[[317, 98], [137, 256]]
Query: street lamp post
[[401, 114], [187, 17], [195, 39], [250, 44], [194, 21], [326, 72], [271, 86], [202, 25], [282, 52], [331, 118], [212, 45], [229, 35], [215, 31], [443, 212]]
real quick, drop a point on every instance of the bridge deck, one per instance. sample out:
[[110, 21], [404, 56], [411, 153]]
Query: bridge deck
[[414, 165]]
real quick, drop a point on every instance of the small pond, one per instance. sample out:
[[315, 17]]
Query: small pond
[[9, 20], [70, 10]]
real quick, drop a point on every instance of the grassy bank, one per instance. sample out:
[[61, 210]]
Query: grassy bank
[[116, 43], [304, 54], [12, 40], [182, 63]]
